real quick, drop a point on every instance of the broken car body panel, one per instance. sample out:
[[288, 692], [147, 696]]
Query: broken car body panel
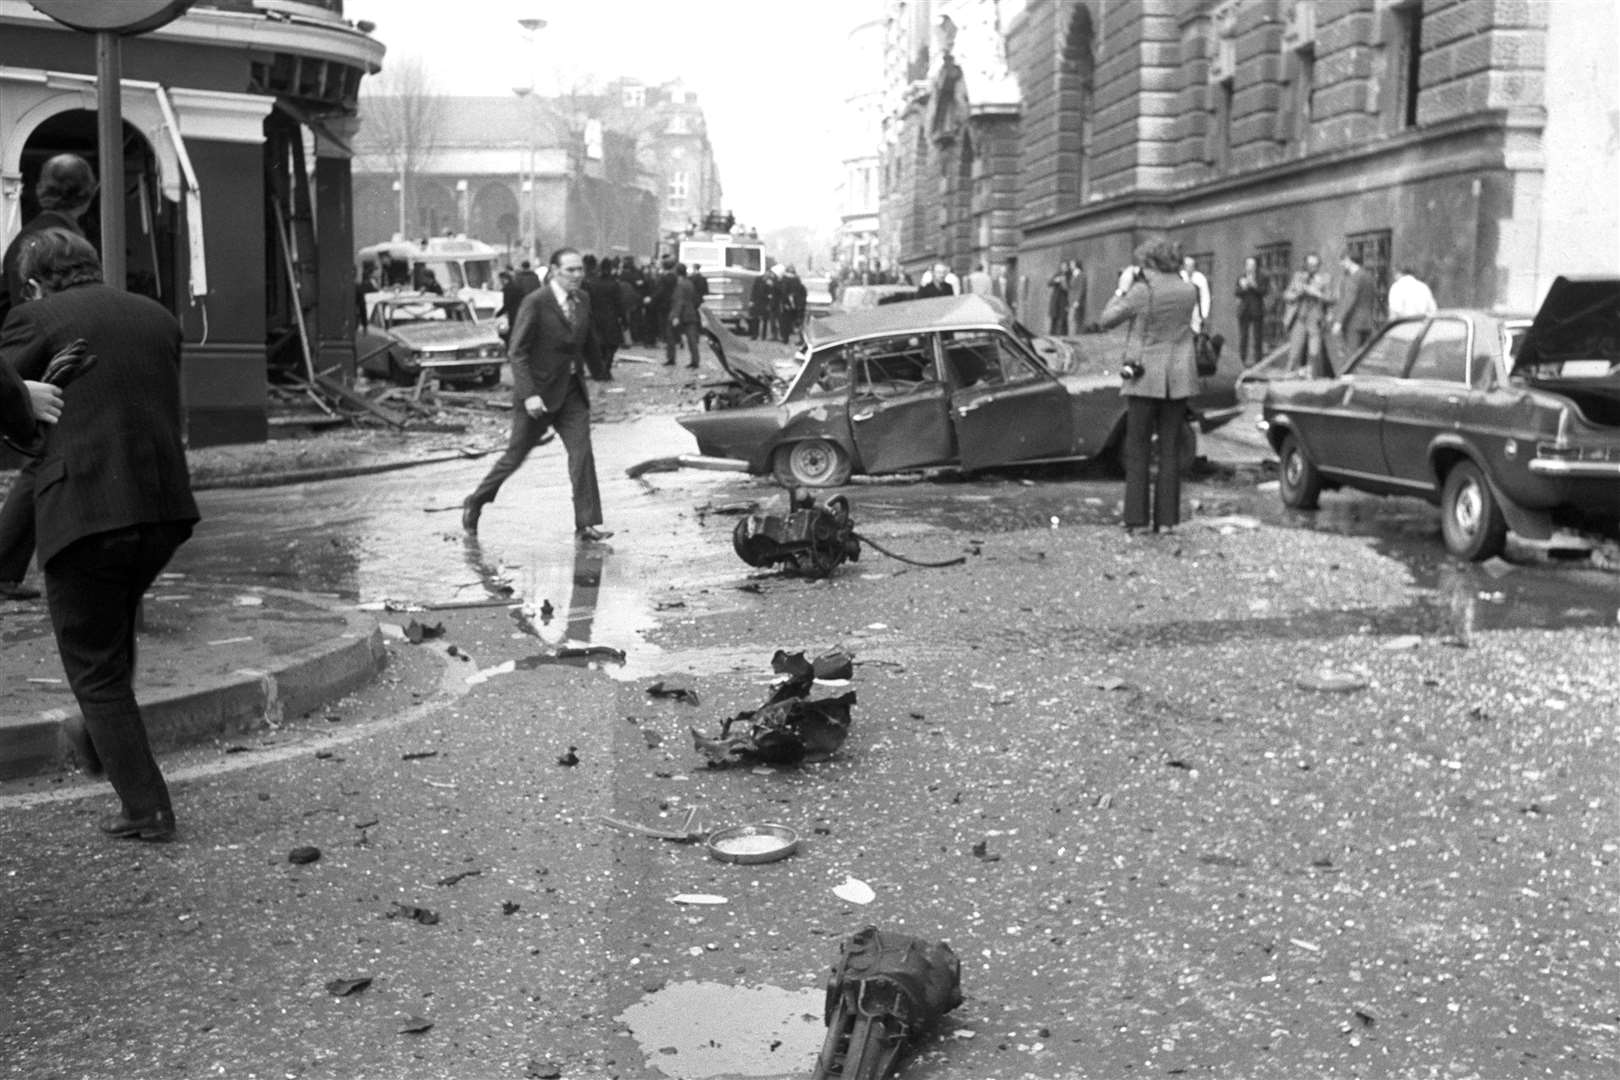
[[925, 383]]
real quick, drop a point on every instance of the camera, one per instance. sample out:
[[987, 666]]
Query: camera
[[1130, 370]]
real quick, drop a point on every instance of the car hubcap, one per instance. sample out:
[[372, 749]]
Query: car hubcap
[[811, 461], [1292, 469], [1469, 509]]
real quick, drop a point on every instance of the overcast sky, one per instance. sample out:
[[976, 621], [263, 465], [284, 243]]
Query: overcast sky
[[768, 73]]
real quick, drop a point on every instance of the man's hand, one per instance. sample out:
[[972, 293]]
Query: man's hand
[[46, 400], [534, 406]]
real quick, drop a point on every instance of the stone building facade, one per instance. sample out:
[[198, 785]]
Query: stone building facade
[[1408, 132]]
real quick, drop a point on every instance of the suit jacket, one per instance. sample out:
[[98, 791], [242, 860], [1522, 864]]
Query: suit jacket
[[1251, 299], [683, 302], [1356, 301], [116, 458], [1160, 308], [545, 350], [1306, 297]]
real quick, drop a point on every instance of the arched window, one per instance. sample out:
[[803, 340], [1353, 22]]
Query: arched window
[[1076, 85]]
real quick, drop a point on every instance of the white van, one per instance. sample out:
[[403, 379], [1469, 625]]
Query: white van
[[462, 267]]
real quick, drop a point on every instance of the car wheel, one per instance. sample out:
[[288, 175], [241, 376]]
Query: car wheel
[[811, 463], [1298, 481], [1470, 517]]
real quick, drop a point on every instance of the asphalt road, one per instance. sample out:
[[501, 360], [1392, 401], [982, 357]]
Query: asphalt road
[[1272, 797]]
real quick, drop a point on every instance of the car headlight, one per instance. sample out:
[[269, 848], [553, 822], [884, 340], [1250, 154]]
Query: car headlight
[[414, 358], [493, 352]]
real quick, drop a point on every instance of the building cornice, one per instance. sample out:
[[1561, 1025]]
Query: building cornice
[[304, 35]]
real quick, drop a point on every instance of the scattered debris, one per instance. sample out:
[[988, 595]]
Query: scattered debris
[[1329, 681], [885, 993], [592, 652], [416, 632], [510, 907], [345, 987], [418, 755], [452, 879], [688, 833], [788, 729], [981, 850], [675, 693], [415, 914], [854, 891], [700, 899], [810, 540], [303, 856], [414, 1025], [570, 759]]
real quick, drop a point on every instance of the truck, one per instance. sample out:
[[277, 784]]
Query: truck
[[731, 262]]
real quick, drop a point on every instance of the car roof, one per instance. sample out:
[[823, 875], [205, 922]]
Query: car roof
[[909, 316]]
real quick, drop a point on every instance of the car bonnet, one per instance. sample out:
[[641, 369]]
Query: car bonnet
[[736, 354], [445, 334], [1578, 321]]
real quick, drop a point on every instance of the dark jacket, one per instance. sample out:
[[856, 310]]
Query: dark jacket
[[544, 350], [1251, 298], [683, 302], [11, 287], [1357, 299], [116, 458]]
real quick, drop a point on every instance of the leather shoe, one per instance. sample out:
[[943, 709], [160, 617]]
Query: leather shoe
[[16, 590], [470, 512], [156, 827], [84, 751], [592, 533]]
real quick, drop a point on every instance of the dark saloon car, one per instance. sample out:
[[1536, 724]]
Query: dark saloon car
[[409, 334], [1503, 423], [926, 383]]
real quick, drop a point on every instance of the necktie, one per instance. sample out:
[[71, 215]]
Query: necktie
[[571, 308]]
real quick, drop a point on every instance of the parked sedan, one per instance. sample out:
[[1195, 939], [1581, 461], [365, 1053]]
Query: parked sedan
[[947, 381], [408, 335], [1505, 424]]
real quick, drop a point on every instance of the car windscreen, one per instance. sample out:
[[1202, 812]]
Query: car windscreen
[[1387, 354]]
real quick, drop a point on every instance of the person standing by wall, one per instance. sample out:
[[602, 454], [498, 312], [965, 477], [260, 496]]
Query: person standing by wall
[[759, 307], [1160, 375], [979, 280], [1251, 298], [1077, 296], [547, 353], [795, 298], [1305, 317], [1354, 317], [112, 504], [65, 189], [1057, 300], [1408, 296], [1195, 277]]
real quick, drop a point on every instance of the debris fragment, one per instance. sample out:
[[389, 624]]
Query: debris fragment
[[345, 987], [415, 914], [303, 856], [1329, 681], [451, 879], [674, 693], [854, 891], [886, 991], [570, 759], [414, 1025], [416, 632], [698, 898], [417, 755]]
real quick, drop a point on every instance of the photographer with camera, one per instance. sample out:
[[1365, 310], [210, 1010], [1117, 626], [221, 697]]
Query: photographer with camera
[[1160, 375]]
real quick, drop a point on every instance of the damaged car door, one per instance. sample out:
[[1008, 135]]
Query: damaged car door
[[1005, 407], [899, 408]]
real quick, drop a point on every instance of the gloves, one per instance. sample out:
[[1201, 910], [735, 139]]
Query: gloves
[[74, 360]]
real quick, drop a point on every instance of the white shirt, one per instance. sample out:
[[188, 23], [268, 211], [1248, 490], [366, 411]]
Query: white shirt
[[1409, 296], [1201, 283]]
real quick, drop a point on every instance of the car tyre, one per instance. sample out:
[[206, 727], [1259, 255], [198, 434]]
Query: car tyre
[[1471, 518], [1297, 480], [811, 463]]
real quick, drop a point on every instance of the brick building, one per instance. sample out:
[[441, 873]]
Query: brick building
[[1410, 132]]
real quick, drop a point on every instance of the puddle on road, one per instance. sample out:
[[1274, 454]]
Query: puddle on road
[[711, 1031]]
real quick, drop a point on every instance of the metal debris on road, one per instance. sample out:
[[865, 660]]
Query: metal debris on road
[[789, 728], [886, 992], [303, 856], [345, 987]]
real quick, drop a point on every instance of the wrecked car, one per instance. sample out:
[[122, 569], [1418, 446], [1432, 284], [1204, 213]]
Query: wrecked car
[[1503, 424], [407, 334], [951, 381]]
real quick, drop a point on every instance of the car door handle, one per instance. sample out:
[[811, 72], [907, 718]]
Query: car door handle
[[867, 415], [963, 410]]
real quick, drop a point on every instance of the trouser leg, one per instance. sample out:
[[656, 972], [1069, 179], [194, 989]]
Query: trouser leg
[[1171, 420], [1138, 439], [1316, 351], [573, 424], [94, 589], [17, 526], [526, 431], [691, 332]]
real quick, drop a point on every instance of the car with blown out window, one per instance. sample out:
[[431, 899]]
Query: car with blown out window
[[952, 381], [1506, 424], [411, 335]]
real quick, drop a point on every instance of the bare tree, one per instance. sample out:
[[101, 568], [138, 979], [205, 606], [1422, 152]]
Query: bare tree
[[404, 116]]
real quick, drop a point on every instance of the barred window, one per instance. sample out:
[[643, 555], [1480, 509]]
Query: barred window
[[1276, 262], [1371, 250]]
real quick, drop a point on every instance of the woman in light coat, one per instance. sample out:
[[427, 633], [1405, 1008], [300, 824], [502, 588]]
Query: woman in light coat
[[1159, 353]]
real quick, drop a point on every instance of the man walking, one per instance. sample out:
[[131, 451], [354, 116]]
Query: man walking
[[1354, 316], [1251, 298], [1307, 299], [113, 502], [683, 318], [547, 353], [65, 189]]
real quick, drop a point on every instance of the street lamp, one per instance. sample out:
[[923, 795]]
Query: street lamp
[[528, 218]]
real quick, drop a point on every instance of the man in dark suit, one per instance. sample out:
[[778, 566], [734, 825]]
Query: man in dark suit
[[112, 500], [604, 295], [683, 318], [65, 190], [1356, 317], [549, 344]]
